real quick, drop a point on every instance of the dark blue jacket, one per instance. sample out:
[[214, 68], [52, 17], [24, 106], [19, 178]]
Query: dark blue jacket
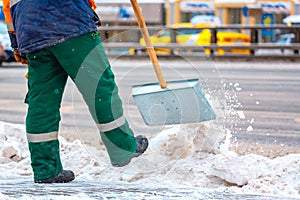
[[43, 23]]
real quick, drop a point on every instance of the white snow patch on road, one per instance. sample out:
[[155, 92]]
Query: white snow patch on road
[[193, 155]]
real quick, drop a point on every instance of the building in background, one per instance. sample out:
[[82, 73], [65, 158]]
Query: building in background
[[120, 12], [183, 11], [245, 12]]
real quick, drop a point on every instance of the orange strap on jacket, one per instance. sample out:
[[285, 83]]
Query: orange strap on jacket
[[6, 10], [93, 4], [7, 15]]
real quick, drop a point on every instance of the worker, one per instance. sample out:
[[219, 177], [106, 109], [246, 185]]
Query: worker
[[57, 40]]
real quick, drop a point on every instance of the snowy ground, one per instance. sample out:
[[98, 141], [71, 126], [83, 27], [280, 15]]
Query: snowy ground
[[182, 161], [193, 161]]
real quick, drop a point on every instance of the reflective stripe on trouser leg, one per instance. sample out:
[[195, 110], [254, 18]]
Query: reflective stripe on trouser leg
[[42, 137], [46, 84], [84, 59]]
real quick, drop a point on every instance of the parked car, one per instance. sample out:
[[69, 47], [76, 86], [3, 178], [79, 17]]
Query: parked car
[[284, 39], [5, 42], [207, 19], [199, 36], [292, 20]]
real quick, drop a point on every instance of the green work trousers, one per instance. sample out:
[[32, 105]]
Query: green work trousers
[[83, 60]]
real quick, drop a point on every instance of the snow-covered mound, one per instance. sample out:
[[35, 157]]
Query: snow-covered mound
[[193, 155]]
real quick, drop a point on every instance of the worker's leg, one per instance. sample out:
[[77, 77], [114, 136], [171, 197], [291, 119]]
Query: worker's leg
[[84, 59], [46, 83]]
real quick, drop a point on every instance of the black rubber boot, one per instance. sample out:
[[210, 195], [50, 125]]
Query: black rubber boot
[[63, 177], [141, 146]]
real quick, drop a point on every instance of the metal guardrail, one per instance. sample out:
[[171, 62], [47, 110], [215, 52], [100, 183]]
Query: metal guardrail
[[134, 48], [114, 49], [172, 46]]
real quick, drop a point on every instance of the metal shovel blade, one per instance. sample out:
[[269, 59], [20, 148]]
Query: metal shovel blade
[[181, 102]]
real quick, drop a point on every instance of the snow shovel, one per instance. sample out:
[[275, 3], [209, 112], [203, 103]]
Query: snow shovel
[[175, 102]]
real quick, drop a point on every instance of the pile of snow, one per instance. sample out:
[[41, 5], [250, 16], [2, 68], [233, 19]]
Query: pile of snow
[[194, 155]]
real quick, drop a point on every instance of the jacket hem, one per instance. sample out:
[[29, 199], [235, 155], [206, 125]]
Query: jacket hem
[[30, 49]]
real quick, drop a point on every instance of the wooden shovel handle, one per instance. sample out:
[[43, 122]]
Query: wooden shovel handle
[[149, 45]]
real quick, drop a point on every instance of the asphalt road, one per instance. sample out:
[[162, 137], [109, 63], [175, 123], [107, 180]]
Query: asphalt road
[[111, 190], [260, 99]]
